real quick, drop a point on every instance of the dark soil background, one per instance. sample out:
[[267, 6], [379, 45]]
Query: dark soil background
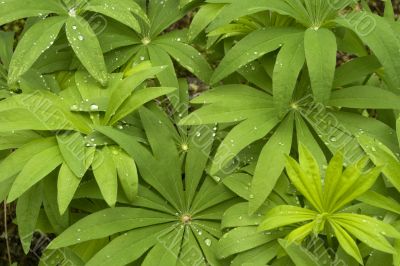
[[7, 215]]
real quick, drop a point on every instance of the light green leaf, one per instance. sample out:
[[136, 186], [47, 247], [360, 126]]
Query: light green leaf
[[346, 242], [320, 49], [84, 42], [286, 215], [34, 42]]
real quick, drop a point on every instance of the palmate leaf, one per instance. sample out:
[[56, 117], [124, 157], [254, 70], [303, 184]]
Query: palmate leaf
[[177, 218]]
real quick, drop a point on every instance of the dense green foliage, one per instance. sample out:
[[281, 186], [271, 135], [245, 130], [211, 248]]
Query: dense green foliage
[[289, 157]]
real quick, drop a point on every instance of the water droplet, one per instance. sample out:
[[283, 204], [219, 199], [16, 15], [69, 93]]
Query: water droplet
[[333, 139], [207, 242], [94, 107], [80, 37], [74, 107]]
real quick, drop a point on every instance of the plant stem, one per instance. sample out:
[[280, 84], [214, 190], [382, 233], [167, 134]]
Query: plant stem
[[6, 233]]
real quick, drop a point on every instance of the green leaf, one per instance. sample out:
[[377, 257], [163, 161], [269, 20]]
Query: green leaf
[[72, 148], [34, 42], [289, 62], [16, 161], [203, 17], [6, 47], [130, 246], [127, 173], [271, 163], [241, 136], [252, 47], [67, 184], [355, 70], [12, 10], [107, 222], [305, 136], [241, 239], [59, 222], [380, 38], [382, 156], [366, 97], [124, 89], [118, 10], [367, 229], [28, 207], [35, 170], [105, 172], [187, 56], [378, 200], [138, 99], [84, 42], [320, 50]]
